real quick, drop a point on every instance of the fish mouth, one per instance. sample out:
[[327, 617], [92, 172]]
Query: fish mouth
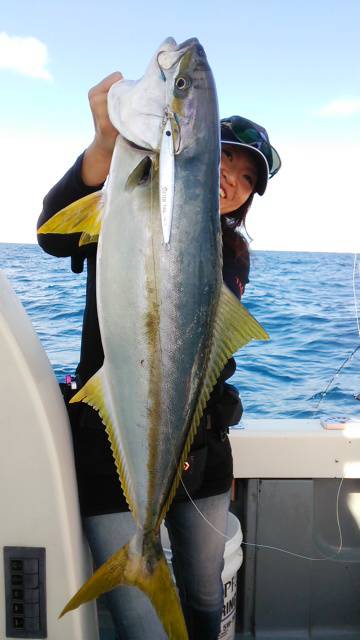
[[171, 44], [170, 53]]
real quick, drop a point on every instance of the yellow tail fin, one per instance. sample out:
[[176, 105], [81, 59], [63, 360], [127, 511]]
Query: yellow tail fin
[[141, 563]]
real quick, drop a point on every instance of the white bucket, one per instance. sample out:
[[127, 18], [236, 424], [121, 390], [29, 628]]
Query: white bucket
[[233, 556]]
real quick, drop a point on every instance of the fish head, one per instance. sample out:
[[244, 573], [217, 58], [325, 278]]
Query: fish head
[[136, 107], [191, 99], [178, 83]]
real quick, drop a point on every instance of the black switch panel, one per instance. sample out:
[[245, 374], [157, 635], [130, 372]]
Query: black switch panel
[[25, 592]]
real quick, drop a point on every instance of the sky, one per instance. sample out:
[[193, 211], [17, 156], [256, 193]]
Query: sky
[[292, 66]]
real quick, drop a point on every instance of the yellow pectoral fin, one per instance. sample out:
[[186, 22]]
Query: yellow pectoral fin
[[234, 327], [93, 394], [83, 216]]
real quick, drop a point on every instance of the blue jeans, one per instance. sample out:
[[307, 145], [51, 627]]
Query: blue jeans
[[198, 561]]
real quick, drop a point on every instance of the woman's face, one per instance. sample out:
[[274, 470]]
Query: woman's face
[[238, 177]]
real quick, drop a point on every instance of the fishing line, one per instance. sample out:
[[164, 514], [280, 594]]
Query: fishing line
[[348, 359], [201, 513], [357, 348], [272, 548], [323, 394], [265, 546], [354, 291], [285, 551], [337, 516], [336, 375], [290, 553]]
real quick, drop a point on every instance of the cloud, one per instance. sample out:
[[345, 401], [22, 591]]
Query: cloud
[[311, 204], [26, 55], [341, 107]]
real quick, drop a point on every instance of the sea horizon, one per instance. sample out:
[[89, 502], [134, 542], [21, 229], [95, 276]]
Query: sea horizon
[[34, 244], [304, 299]]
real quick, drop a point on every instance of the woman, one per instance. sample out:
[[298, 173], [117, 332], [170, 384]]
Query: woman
[[196, 529]]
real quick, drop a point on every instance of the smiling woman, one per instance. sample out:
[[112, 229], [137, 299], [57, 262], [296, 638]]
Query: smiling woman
[[238, 178], [247, 162]]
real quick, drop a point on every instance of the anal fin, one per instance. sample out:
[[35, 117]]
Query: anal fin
[[93, 394]]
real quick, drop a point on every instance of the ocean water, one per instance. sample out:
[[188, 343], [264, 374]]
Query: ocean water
[[305, 301]]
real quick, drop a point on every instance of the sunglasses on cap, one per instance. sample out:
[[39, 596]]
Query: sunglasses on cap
[[249, 133]]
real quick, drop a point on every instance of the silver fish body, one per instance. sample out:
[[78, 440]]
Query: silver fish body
[[156, 301], [168, 324]]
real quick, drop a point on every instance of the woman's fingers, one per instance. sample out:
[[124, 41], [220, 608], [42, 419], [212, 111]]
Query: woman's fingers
[[97, 158], [105, 132]]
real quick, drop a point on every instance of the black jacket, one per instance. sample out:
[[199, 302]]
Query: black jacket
[[210, 470]]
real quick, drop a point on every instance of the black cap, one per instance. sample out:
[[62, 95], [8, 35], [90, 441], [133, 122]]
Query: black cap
[[251, 136]]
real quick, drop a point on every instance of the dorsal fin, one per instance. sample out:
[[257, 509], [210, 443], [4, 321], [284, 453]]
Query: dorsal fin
[[233, 328]]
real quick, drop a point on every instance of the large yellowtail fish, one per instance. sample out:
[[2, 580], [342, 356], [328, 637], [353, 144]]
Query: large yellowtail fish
[[168, 324]]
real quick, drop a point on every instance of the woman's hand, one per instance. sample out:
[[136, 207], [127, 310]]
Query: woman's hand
[[97, 158]]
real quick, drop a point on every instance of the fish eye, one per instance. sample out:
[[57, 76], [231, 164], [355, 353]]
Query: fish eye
[[182, 83]]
